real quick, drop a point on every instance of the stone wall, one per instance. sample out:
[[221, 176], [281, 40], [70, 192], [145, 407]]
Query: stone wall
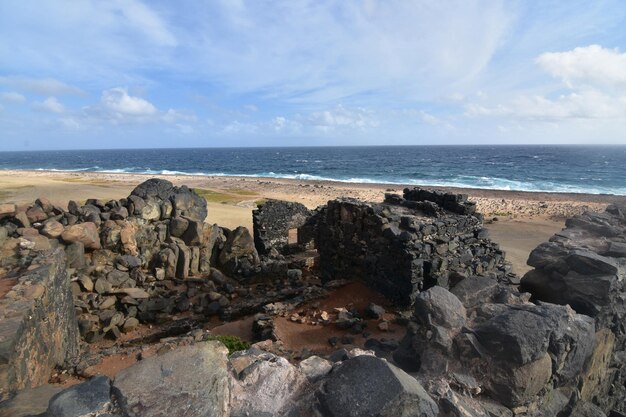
[[272, 223], [38, 330], [402, 246], [132, 259], [585, 266]]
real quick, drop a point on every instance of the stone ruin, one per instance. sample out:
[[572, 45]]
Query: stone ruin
[[476, 343]]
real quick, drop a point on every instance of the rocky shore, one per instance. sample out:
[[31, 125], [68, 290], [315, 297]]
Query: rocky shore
[[446, 328]]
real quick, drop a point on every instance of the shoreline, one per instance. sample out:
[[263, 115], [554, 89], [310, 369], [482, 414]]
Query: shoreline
[[366, 183], [524, 219], [269, 187]]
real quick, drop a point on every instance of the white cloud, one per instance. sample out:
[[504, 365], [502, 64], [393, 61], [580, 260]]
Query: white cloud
[[117, 100], [51, 104], [590, 65], [342, 118], [40, 86], [594, 78], [12, 97], [587, 105]]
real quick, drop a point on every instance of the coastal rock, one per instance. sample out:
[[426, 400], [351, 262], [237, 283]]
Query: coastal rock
[[382, 390], [175, 383]]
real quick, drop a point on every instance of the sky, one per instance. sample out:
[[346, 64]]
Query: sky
[[82, 74]]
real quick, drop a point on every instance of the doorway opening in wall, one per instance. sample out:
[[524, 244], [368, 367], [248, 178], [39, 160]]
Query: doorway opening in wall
[[292, 237]]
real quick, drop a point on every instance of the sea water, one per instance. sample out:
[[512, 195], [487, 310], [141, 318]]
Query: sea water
[[576, 169]]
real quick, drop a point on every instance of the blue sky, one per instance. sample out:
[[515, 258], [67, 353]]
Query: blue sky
[[131, 74]]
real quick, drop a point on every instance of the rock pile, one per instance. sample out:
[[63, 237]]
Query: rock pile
[[248, 383], [132, 260]]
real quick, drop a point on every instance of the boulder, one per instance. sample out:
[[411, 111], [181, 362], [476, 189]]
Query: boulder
[[176, 201], [154, 187], [438, 306], [188, 381], [239, 256], [194, 233], [119, 213], [52, 229], [152, 210], [589, 263], [178, 226], [263, 384], [36, 214], [83, 400], [7, 209], [519, 335], [475, 290], [186, 202], [85, 233], [315, 368], [516, 385], [369, 386]]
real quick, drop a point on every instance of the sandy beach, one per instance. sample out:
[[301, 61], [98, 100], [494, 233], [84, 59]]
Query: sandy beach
[[524, 219]]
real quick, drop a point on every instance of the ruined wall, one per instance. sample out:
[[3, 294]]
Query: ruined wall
[[38, 328], [132, 259], [403, 246], [585, 266], [272, 223]]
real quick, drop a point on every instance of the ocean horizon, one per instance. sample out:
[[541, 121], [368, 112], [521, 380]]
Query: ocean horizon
[[540, 168]]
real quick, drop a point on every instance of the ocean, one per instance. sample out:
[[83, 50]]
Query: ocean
[[573, 169]]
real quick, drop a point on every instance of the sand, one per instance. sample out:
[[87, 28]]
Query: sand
[[525, 219]]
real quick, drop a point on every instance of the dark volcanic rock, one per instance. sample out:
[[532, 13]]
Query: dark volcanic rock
[[83, 400], [154, 187], [517, 335], [368, 386], [181, 200]]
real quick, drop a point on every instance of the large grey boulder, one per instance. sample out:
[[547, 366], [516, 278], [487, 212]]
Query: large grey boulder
[[189, 381], [438, 306], [369, 386], [263, 384]]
